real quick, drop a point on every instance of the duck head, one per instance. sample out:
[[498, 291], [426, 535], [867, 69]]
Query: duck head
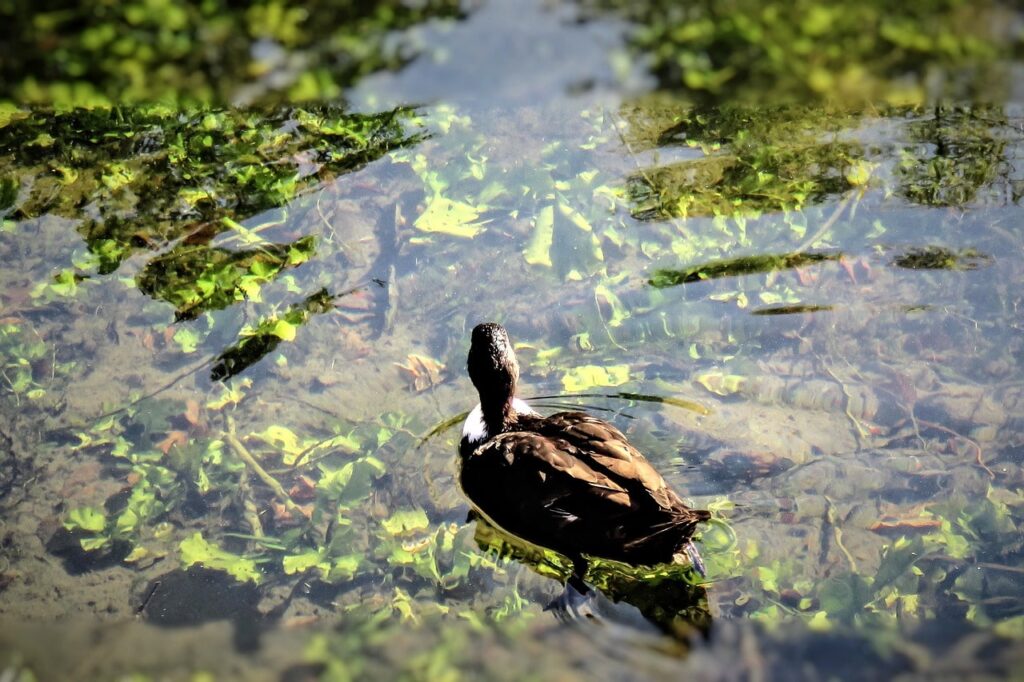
[[494, 370]]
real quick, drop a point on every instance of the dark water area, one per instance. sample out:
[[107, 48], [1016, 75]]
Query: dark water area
[[779, 245]]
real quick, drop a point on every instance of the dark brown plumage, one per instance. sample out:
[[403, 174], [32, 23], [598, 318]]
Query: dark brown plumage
[[570, 482]]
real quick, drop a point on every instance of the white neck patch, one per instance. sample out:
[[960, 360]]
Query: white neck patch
[[475, 430], [522, 407]]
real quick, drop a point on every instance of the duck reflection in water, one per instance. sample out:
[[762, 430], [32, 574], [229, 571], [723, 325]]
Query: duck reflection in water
[[634, 601], [572, 483]]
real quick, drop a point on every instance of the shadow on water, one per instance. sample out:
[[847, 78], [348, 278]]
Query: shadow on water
[[194, 596], [631, 604]]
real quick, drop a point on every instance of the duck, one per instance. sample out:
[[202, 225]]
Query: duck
[[569, 482]]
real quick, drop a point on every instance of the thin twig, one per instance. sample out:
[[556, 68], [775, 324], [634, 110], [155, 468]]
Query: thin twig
[[249, 510], [861, 432], [809, 242], [837, 532], [244, 454], [977, 448]]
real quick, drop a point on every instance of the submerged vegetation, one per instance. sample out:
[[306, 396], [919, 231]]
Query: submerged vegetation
[[325, 506], [872, 51], [154, 175], [235, 251], [232, 328], [216, 52]]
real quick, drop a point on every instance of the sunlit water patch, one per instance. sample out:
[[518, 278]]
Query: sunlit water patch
[[233, 346]]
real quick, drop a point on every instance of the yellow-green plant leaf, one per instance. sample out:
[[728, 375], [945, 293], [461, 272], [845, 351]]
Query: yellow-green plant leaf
[[538, 251], [344, 568], [196, 550], [285, 440], [91, 544], [446, 216], [589, 376], [575, 217], [137, 554], [297, 563], [86, 518], [283, 329], [721, 384], [405, 520], [187, 339]]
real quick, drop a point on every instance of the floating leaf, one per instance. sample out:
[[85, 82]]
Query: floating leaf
[[860, 172], [344, 568], [284, 330], [351, 482]]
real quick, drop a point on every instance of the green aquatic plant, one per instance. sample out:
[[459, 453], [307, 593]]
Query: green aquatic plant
[[285, 505], [198, 279], [939, 258], [820, 49], [568, 211], [735, 267], [955, 156], [200, 193], [154, 175], [210, 53], [258, 341], [196, 550], [746, 161], [30, 365]]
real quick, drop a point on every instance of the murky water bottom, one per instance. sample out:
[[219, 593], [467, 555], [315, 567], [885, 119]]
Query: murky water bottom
[[851, 416]]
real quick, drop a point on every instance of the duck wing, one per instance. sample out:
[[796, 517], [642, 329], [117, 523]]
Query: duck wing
[[543, 489], [604, 449]]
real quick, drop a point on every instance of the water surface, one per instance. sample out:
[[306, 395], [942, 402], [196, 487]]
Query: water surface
[[233, 339]]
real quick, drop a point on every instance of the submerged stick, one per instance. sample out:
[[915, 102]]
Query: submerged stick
[[978, 458], [809, 242], [249, 510], [250, 461]]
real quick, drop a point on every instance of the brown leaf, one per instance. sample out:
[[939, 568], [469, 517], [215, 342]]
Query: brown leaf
[[806, 276], [421, 372], [192, 412], [356, 345], [281, 512], [356, 301], [304, 489], [847, 265], [173, 438], [300, 621], [903, 526]]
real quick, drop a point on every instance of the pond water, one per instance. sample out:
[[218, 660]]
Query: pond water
[[781, 249]]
